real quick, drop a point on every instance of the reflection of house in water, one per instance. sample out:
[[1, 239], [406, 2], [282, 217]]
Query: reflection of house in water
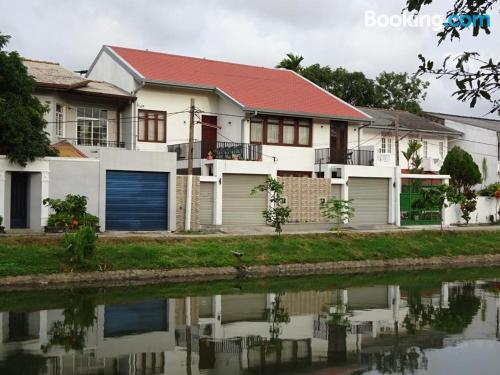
[[371, 327]]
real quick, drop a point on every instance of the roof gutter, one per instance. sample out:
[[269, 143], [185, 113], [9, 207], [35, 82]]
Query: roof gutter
[[417, 130]]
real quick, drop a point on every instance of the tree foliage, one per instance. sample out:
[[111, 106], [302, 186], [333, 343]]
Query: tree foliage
[[388, 90], [22, 126], [459, 164], [276, 215], [337, 210], [476, 78]]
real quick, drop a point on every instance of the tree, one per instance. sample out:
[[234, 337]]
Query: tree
[[389, 90], [437, 196], [22, 126], [338, 210], [412, 157], [276, 215], [291, 62], [460, 166], [476, 77], [401, 91]]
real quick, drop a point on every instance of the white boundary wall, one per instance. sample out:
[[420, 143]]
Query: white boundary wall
[[486, 207]]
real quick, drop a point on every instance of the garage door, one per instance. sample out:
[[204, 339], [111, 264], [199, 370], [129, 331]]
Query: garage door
[[136, 200], [238, 206], [371, 200], [206, 202]]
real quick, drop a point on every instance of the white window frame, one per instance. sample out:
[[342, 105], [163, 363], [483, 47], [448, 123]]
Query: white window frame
[[92, 119], [441, 149], [425, 145], [59, 117]]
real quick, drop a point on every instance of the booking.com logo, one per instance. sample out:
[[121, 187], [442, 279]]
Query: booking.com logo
[[436, 21]]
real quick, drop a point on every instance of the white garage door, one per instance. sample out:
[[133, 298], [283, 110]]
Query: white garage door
[[371, 200], [206, 202], [238, 206]]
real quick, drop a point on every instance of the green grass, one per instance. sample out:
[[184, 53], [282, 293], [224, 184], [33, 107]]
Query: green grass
[[24, 255]]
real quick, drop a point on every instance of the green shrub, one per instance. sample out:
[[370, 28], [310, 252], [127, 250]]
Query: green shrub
[[1, 220], [490, 190], [70, 212], [81, 245]]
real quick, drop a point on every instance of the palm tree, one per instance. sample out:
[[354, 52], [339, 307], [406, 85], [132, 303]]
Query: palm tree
[[291, 62], [413, 147]]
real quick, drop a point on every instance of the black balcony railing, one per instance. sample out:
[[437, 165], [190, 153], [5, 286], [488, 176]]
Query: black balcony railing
[[219, 150], [95, 142], [347, 157]]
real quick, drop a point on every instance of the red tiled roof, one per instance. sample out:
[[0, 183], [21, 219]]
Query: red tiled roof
[[266, 89]]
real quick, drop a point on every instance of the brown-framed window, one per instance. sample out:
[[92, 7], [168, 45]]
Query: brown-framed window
[[281, 131], [152, 126]]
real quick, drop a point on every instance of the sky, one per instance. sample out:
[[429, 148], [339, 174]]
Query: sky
[[257, 32]]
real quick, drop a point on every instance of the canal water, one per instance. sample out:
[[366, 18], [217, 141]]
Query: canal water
[[415, 322]]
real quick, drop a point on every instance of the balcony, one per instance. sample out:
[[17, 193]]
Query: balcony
[[219, 150], [348, 157], [95, 143]]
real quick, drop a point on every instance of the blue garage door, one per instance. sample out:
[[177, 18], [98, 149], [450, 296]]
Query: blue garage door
[[136, 200]]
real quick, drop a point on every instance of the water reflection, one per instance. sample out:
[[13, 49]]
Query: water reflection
[[352, 330]]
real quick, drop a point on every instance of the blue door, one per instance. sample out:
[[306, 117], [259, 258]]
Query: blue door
[[136, 200]]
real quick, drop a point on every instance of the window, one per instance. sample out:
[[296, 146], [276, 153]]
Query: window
[[59, 120], [281, 131], [152, 126], [92, 126], [426, 149], [386, 145], [256, 128], [273, 131], [441, 150], [289, 131]]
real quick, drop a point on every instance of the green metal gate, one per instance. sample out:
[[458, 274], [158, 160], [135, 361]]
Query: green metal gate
[[411, 216]]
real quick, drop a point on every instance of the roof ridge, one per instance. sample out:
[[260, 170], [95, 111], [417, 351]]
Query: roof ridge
[[463, 116], [200, 58], [41, 61]]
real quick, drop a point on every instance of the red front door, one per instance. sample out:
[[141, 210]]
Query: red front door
[[338, 142], [208, 135]]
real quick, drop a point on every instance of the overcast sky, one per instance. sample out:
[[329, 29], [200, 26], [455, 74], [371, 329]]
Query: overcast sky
[[258, 32]]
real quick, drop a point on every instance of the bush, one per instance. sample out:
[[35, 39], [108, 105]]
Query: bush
[[490, 190], [81, 245], [70, 213]]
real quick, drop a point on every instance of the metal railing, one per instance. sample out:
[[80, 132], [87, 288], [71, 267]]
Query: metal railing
[[347, 157], [218, 150], [95, 142]]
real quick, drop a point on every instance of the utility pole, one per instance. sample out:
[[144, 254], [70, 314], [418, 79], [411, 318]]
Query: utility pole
[[396, 123], [191, 138]]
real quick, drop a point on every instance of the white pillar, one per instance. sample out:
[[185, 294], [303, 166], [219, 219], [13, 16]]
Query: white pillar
[[217, 171], [189, 194], [187, 310], [45, 194], [344, 298], [445, 211], [217, 309], [397, 199], [2, 194], [444, 295], [43, 327]]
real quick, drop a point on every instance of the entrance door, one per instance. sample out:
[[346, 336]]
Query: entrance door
[[19, 200], [338, 142], [208, 135]]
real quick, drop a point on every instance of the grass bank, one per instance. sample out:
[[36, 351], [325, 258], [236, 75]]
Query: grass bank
[[25, 255]]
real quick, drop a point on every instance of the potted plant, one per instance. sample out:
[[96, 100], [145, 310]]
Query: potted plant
[[2, 228]]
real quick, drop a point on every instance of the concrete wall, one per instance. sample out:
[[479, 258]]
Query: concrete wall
[[180, 207], [56, 177], [303, 196], [76, 176], [481, 144], [485, 207]]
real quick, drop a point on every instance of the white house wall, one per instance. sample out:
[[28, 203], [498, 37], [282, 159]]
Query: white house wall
[[480, 143], [106, 68]]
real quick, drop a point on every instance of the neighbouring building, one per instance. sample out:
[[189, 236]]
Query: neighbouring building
[[126, 189], [481, 138]]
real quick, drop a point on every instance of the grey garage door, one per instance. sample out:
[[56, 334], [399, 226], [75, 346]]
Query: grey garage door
[[136, 200], [207, 202], [238, 206], [371, 200]]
